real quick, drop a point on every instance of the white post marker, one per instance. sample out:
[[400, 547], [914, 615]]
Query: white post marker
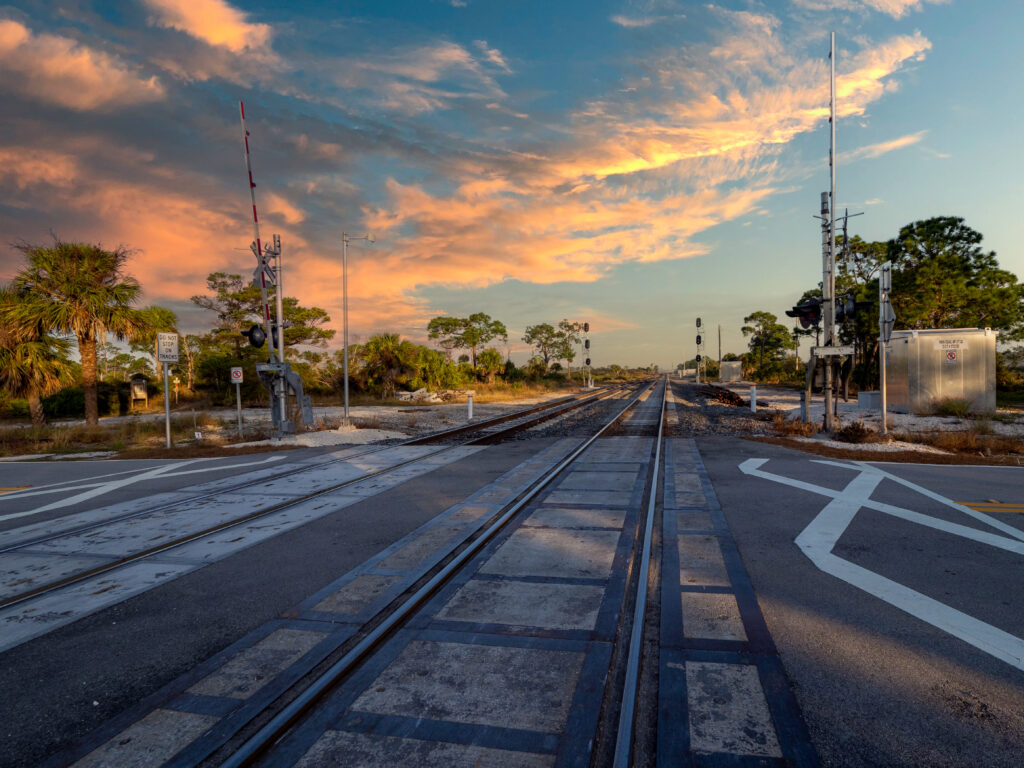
[[236, 378], [753, 398], [469, 407], [167, 352]]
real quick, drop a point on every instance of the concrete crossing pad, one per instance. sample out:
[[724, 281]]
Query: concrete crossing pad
[[254, 667], [149, 742], [372, 751], [713, 616], [728, 710], [700, 562], [545, 606], [555, 552], [484, 685]]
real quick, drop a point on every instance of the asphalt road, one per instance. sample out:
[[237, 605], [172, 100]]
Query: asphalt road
[[60, 686], [903, 635], [898, 614], [36, 491]]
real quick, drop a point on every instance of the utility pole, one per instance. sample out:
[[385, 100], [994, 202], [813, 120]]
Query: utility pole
[[829, 282]]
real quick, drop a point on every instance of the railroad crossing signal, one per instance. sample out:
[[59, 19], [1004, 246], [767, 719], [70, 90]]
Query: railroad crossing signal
[[886, 317], [809, 313], [263, 268], [256, 336]]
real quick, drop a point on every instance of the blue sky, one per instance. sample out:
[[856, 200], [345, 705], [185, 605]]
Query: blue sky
[[633, 164]]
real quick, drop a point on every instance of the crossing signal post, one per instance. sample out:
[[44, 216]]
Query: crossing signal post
[[586, 346], [700, 352], [886, 320]]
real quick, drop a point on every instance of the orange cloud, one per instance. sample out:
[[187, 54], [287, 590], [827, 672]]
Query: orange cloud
[[62, 71], [882, 147], [641, 176], [212, 21]]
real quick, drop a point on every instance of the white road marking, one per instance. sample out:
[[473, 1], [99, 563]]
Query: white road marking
[[980, 516], [820, 536], [91, 490], [58, 487]]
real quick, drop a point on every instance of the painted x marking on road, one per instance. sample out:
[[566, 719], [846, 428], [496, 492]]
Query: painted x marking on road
[[819, 538]]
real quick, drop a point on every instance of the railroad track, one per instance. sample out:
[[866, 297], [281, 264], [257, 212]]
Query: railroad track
[[257, 731], [474, 433], [245, 736], [619, 697], [545, 631]]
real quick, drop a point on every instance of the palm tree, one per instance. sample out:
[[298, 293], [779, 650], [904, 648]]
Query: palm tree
[[79, 289], [32, 364], [386, 358]]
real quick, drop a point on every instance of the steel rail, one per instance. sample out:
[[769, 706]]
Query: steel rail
[[578, 400], [283, 720], [102, 568], [627, 709]]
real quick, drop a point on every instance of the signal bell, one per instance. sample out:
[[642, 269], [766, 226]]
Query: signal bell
[[256, 336]]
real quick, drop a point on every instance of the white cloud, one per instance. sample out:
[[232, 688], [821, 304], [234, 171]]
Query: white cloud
[[492, 55], [634, 22], [895, 8]]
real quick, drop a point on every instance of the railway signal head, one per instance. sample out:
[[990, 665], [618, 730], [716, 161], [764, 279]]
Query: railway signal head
[[699, 358], [588, 361], [256, 336], [809, 313], [587, 343], [847, 308], [586, 327], [699, 339], [698, 322]]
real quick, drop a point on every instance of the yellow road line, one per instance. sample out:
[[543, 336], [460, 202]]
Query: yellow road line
[[9, 488], [990, 506]]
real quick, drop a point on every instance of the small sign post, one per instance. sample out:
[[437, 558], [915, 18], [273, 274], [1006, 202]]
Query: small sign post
[[236, 377], [167, 352]]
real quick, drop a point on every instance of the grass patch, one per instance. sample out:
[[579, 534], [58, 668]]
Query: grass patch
[[972, 441], [781, 425]]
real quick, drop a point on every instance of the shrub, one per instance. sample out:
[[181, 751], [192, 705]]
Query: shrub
[[855, 432], [952, 406], [69, 403]]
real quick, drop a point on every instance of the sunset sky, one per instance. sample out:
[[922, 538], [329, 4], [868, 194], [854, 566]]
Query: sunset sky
[[634, 163]]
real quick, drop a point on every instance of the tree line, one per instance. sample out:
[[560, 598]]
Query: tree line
[[78, 294], [941, 278]]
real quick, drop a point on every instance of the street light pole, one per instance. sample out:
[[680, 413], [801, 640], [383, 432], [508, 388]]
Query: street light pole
[[344, 304]]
